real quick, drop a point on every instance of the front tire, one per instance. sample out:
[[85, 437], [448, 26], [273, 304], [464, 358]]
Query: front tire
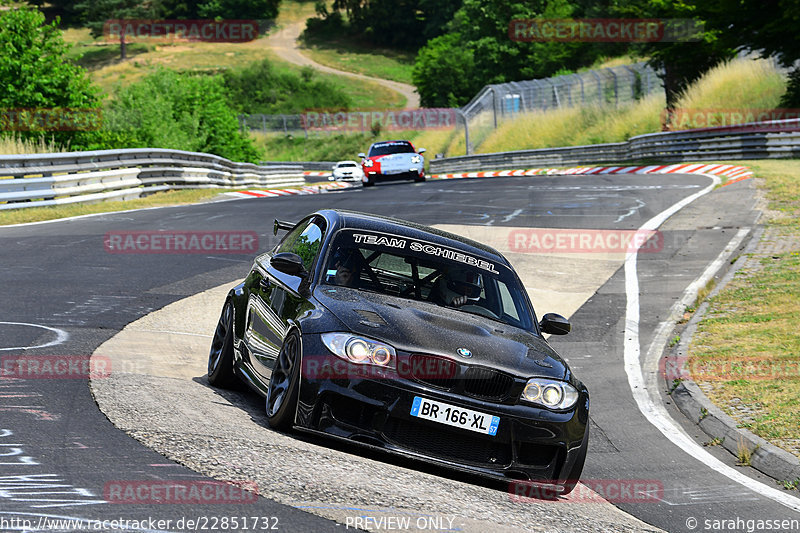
[[220, 357], [577, 467], [284, 385]]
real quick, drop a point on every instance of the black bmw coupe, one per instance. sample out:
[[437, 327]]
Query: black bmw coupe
[[402, 337]]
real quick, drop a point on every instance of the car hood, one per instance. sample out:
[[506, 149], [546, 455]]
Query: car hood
[[422, 327]]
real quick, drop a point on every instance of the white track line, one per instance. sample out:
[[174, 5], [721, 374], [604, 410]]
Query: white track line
[[644, 391], [61, 336]]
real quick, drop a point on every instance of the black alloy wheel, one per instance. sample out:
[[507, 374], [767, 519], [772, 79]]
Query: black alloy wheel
[[283, 385], [220, 357]]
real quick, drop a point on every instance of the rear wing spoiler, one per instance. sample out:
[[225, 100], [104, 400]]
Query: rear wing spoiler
[[281, 225]]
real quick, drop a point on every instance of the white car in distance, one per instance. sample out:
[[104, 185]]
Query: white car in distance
[[346, 171]]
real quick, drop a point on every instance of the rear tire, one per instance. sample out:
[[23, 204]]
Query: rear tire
[[419, 179], [283, 388], [368, 183], [220, 357]]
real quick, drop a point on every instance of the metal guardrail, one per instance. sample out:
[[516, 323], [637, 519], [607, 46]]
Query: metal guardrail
[[318, 166], [79, 177], [763, 140]]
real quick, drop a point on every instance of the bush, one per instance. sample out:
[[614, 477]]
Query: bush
[[36, 75], [444, 72], [791, 98], [262, 88], [177, 111]]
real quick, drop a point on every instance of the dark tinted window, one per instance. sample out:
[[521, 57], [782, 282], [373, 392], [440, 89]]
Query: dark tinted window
[[393, 147], [418, 270]]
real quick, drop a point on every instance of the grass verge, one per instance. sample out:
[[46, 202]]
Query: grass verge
[[749, 332], [38, 214]]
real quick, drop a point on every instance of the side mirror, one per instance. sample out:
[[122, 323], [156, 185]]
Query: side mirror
[[554, 324], [362, 155], [288, 263], [421, 151], [280, 225]]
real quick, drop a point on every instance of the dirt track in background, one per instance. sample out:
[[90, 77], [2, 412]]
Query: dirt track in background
[[284, 43]]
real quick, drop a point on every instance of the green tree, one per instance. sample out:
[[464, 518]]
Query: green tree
[[239, 9], [401, 24], [768, 27], [442, 72], [478, 50], [225, 9], [34, 70], [98, 13], [178, 111], [681, 63]]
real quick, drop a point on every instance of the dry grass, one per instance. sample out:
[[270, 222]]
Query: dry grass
[[739, 85], [743, 453], [574, 126], [13, 145]]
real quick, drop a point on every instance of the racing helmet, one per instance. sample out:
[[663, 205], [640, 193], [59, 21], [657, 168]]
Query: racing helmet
[[458, 283]]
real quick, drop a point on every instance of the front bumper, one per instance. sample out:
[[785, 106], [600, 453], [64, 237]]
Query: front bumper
[[395, 174], [531, 443]]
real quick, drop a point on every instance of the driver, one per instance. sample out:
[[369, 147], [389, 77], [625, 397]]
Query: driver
[[456, 287], [346, 267]]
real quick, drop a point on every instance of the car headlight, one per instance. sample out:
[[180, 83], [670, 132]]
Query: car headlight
[[416, 159], [359, 350], [550, 393], [368, 163]]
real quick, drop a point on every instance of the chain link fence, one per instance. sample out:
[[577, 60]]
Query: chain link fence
[[609, 86]]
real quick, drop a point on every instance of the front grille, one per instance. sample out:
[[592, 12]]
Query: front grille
[[487, 384], [435, 371], [445, 443], [473, 381]]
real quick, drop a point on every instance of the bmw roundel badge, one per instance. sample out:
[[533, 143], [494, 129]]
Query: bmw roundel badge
[[463, 352]]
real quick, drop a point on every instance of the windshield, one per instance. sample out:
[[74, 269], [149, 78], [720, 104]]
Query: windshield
[[418, 270], [391, 147], [347, 164]]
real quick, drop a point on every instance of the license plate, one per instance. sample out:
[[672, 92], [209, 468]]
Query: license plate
[[455, 416]]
